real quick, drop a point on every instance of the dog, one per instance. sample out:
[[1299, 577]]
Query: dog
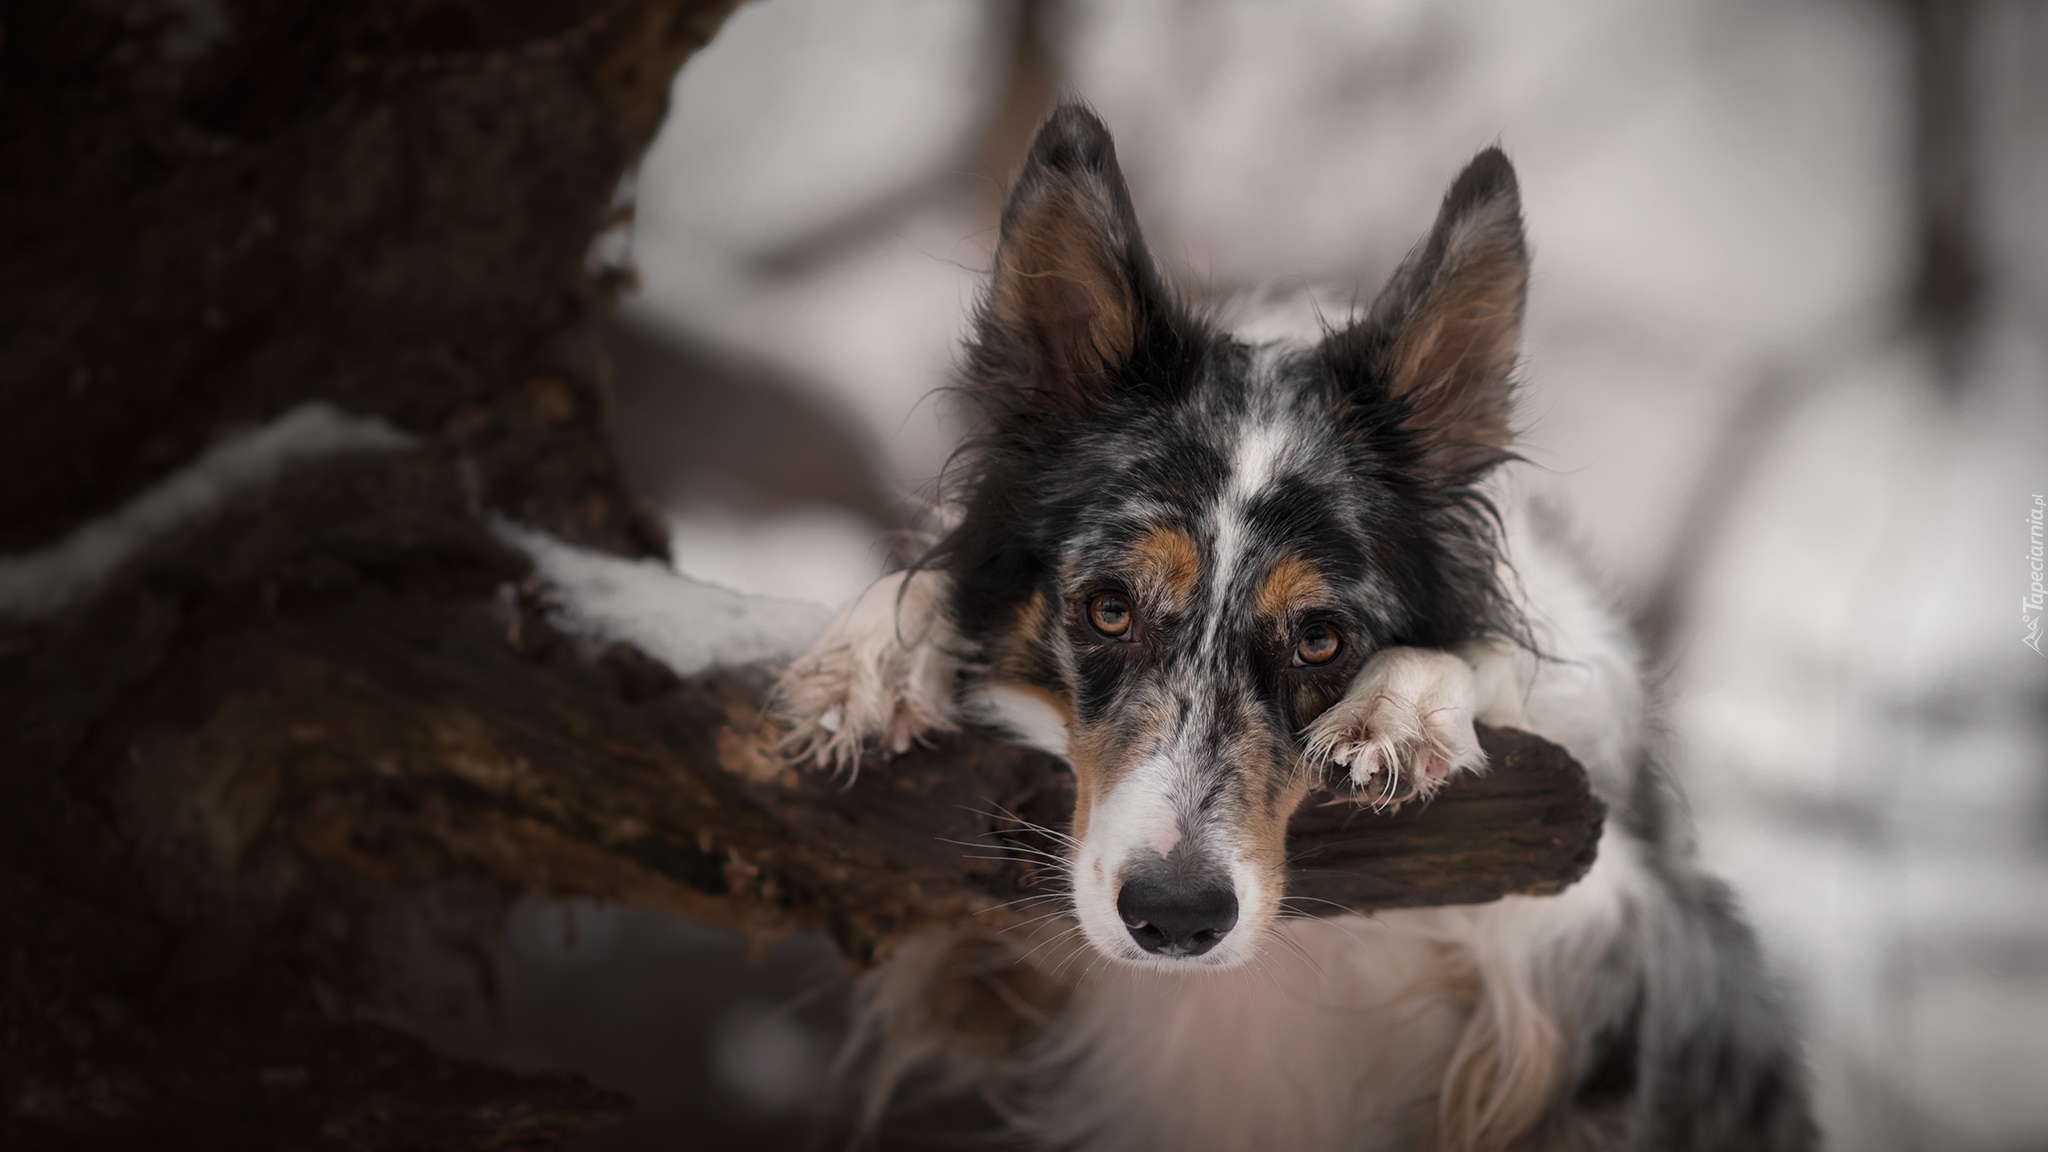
[[1219, 562]]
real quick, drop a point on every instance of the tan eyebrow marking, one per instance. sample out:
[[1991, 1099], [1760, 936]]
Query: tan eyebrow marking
[[1166, 557], [1291, 583]]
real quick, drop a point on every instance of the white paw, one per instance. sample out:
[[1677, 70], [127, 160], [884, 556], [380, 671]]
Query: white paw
[[1402, 730], [883, 676]]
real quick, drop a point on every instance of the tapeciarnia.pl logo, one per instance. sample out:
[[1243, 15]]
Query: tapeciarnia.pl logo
[[2032, 603]]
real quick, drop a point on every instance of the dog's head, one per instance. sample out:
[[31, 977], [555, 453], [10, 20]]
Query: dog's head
[[1190, 543]]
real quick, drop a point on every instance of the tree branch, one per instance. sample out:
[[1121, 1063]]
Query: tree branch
[[378, 733]]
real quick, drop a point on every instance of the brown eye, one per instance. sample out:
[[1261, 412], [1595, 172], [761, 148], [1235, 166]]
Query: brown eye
[[1319, 644], [1110, 613]]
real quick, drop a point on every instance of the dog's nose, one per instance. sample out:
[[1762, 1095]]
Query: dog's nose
[[1171, 918]]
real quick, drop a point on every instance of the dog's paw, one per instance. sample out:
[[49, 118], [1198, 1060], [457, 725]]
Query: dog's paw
[[1402, 730], [882, 677]]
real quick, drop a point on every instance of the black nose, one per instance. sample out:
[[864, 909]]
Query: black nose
[[1176, 919]]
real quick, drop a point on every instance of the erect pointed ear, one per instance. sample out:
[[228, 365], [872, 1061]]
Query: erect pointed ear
[[1447, 326], [1073, 286]]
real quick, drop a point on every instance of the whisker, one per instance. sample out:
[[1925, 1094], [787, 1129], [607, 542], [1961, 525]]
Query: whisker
[[1051, 940], [1020, 851], [1318, 900], [986, 840], [1295, 946], [1265, 970], [1040, 897], [1003, 813], [1057, 912], [1035, 898], [1076, 954], [1332, 922], [1014, 859]]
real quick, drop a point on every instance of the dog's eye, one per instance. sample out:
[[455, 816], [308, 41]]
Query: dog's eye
[[1319, 644], [1110, 613]]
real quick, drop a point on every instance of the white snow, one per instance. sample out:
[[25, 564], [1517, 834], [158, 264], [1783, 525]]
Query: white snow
[[37, 583], [686, 624], [819, 555]]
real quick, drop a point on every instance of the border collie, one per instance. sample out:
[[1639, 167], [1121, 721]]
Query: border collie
[[1218, 566]]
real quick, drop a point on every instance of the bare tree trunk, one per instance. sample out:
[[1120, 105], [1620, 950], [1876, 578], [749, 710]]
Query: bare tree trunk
[[345, 687], [211, 213]]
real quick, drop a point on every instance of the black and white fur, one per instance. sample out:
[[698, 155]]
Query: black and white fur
[[1168, 524]]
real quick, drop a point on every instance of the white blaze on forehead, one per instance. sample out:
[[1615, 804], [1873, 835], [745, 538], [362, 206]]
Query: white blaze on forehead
[[1256, 459]]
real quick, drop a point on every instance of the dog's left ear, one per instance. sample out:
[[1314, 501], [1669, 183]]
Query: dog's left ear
[[1442, 337], [1073, 289]]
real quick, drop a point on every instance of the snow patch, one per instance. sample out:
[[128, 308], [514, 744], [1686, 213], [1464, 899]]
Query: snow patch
[[820, 555], [38, 583], [686, 624]]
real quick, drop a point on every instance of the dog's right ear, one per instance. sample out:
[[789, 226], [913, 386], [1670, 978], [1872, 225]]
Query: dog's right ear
[[1074, 292]]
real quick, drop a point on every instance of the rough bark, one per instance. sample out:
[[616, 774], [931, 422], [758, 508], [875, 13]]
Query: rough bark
[[210, 213], [343, 687]]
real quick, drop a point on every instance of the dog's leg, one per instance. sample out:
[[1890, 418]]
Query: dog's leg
[[883, 675], [1403, 728]]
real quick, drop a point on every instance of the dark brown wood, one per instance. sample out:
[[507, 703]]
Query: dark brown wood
[[1529, 825], [392, 733]]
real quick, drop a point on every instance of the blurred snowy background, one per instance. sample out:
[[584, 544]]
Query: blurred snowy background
[[1787, 366]]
